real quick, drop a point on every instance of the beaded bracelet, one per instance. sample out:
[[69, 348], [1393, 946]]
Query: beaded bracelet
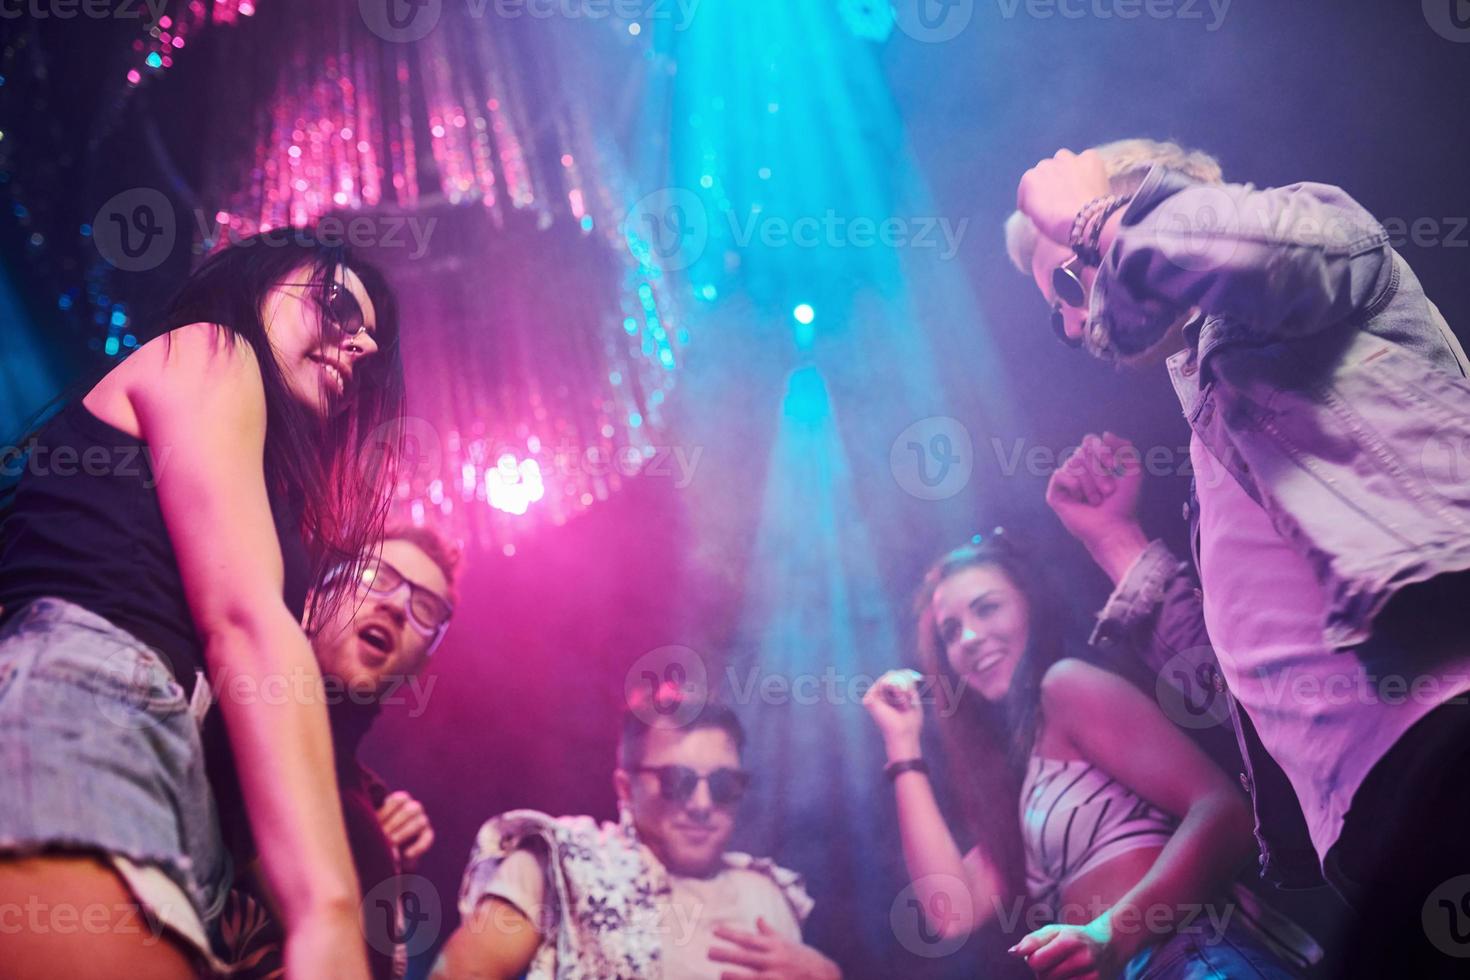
[[1078, 238], [1088, 227], [1099, 222]]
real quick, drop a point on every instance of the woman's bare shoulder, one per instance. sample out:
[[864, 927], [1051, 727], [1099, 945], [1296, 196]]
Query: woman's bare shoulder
[[172, 363]]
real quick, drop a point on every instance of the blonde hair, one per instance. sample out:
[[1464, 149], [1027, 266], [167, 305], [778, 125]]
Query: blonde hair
[[1127, 162]]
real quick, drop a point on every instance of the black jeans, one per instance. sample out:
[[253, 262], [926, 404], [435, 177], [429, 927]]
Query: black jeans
[[1403, 860]]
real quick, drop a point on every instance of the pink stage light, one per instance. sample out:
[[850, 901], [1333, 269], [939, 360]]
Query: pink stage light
[[514, 486]]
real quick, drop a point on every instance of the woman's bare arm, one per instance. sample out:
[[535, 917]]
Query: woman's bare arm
[[958, 894], [1117, 728], [201, 408]]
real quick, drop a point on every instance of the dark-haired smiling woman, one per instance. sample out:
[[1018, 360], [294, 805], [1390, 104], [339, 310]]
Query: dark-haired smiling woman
[[1126, 828], [130, 591]]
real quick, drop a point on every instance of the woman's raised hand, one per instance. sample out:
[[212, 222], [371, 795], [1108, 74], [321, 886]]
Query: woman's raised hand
[[898, 710]]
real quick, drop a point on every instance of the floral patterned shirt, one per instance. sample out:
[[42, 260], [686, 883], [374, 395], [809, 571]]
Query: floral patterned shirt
[[606, 907]]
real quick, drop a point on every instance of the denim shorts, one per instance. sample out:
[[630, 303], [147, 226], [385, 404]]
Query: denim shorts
[[1209, 955], [100, 752]]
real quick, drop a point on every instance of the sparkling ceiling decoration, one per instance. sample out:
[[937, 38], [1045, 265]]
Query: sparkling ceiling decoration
[[540, 342], [164, 38]]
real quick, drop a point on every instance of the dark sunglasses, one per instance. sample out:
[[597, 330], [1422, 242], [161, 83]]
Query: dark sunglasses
[[1066, 285], [428, 612], [678, 783], [337, 306]]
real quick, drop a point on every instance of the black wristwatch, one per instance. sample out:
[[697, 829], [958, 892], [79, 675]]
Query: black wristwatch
[[893, 769]]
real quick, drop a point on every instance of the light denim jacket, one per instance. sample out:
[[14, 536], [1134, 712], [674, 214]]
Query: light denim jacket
[[1319, 374], [1156, 615], [1329, 387]]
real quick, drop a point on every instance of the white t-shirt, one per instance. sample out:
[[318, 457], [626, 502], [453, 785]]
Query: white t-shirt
[[1325, 717], [734, 897]]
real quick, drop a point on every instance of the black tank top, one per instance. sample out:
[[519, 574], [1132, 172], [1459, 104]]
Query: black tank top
[[85, 526]]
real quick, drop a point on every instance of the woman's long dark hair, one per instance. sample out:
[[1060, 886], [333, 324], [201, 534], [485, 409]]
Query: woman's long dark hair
[[987, 745], [339, 472]]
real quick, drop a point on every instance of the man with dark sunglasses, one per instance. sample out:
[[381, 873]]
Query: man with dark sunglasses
[[378, 638], [656, 894], [1329, 409]]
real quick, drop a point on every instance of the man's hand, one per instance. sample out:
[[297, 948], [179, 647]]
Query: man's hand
[[1052, 192], [1095, 493], [770, 956], [407, 826], [1085, 952]]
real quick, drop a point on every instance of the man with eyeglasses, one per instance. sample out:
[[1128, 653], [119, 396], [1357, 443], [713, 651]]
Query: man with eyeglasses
[[375, 641], [654, 895]]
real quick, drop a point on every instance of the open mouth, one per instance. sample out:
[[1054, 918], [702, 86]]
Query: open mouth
[[377, 637]]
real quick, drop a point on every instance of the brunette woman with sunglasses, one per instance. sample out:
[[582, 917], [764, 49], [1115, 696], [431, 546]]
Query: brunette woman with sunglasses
[[226, 464]]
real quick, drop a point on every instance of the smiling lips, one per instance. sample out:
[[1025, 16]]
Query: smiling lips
[[698, 834], [987, 663], [334, 375]]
